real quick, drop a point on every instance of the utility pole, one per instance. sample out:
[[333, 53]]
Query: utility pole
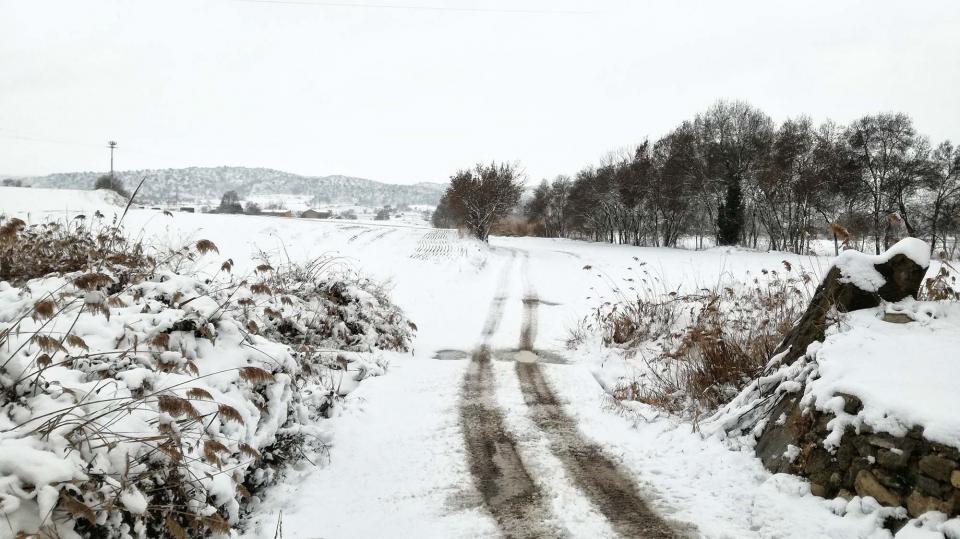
[[112, 145]]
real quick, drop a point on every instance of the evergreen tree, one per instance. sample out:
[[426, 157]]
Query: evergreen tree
[[111, 182], [230, 203], [730, 215]]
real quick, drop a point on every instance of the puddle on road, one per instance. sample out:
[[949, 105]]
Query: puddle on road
[[518, 356], [530, 356], [525, 356], [451, 355]]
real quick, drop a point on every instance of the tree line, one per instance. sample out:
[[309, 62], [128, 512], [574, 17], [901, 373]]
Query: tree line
[[731, 176]]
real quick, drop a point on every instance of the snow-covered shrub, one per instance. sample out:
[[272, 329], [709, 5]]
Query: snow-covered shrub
[[141, 399], [943, 285], [63, 247], [699, 350]]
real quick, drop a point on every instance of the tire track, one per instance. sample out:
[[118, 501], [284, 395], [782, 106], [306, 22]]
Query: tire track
[[605, 483], [436, 244], [356, 236], [504, 483]]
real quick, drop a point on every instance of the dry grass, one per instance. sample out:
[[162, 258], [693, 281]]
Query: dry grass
[[944, 286], [699, 350], [29, 252]]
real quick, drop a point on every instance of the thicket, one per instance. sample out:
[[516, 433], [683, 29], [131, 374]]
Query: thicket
[[141, 396]]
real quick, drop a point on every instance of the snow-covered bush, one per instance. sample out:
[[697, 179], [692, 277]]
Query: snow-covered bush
[[55, 247], [943, 285], [696, 351], [141, 399]]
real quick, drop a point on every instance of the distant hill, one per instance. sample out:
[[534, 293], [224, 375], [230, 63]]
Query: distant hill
[[207, 185]]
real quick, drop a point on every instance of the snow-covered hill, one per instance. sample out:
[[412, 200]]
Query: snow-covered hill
[[23, 201], [198, 184]]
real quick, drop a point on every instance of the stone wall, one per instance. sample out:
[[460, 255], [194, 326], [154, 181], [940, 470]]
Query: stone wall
[[910, 471], [907, 471]]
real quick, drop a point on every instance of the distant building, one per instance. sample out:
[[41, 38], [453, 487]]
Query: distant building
[[314, 214], [286, 213]]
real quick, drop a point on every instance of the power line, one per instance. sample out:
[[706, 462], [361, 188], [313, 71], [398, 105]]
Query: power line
[[47, 140], [419, 7], [135, 151]]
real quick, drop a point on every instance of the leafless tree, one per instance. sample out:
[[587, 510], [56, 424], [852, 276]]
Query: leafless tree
[[942, 186], [882, 143], [479, 197]]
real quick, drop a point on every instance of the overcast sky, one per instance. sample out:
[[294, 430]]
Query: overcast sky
[[410, 90]]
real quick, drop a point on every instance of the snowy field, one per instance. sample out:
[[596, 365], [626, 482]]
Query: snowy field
[[398, 465]]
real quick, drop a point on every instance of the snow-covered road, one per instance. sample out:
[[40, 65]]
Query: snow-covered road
[[491, 428]]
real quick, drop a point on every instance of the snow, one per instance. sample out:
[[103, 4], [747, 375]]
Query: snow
[[905, 374], [36, 433], [393, 459], [56, 203], [396, 465], [25, 459], [133, 500]]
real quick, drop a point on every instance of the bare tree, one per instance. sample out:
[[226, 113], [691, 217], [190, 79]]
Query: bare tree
[[882, 143], [942, 183], [480, 196], [736, 137]]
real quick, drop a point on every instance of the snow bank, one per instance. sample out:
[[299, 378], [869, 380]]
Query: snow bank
[[29, 200]]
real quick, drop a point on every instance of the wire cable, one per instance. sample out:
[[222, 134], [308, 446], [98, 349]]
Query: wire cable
[[418, 7]]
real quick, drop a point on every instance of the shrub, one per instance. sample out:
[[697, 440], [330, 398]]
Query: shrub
[[63, 247], [139, 399], [113, 183], [942, 286], [698, 350]]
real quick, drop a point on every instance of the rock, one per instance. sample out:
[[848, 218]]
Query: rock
[[845, 494], [918, 504], [845, 454], [867, 485], [893, 459], [835, 480], [818, 461], [937, 467], [851, 403], [946, 451], [856, 466], [931, 487], [868, 463], [897, 318], [886, 441], [902, 278], [889, 480], [773, 442], [863, 447]]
